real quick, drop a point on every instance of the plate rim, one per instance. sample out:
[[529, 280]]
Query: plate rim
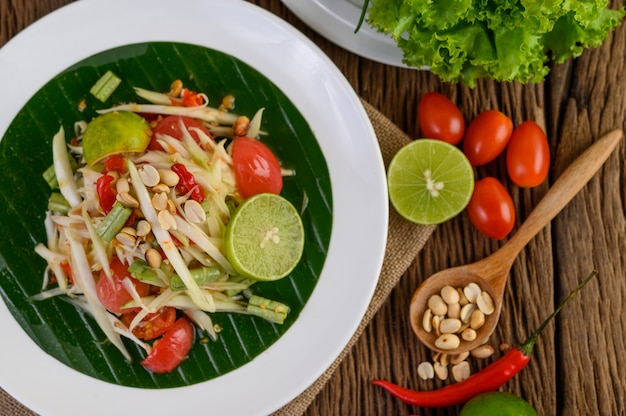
[[336, 21], [286, 36]]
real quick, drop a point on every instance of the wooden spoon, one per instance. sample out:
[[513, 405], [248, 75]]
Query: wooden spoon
[[491, 273]]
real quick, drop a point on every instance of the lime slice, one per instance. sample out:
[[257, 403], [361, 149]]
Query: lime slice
[[113, 133], [430, 181], [265, 237]]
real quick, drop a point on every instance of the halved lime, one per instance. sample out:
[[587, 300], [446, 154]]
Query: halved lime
[[430, 181], [113, 133], [265, 237]]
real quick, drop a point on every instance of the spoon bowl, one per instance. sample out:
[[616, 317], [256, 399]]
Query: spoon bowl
[[491, 273], [457, 277]]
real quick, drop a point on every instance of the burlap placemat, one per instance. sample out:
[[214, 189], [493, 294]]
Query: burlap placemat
[[404, 241]]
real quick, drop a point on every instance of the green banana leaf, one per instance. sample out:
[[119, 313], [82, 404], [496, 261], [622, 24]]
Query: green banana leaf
[[73, 337]]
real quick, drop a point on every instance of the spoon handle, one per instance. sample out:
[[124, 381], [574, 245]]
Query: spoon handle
[[564, 189]]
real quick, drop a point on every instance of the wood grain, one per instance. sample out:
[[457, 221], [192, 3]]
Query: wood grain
[[578, 365], [577, 368]]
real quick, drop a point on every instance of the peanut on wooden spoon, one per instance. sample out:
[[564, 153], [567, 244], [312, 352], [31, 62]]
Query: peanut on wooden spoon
[[491, 273]]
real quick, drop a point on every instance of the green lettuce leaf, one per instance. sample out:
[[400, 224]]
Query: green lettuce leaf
[[505, 40]]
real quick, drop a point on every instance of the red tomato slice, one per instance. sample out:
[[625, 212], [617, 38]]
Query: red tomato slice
[[491, 209], [528, 155], [486, 137], [256, 168], [112, 292], [169, 351], [439, 118], [154, 325], [170, 125]]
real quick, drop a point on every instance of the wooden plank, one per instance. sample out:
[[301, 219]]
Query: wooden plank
[[579, 360], [568, 373]]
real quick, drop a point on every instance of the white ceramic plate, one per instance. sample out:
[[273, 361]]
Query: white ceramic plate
[[337, 19], [360, 208]]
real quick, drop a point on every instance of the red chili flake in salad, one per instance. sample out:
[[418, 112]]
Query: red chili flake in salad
[[187, 182], [191, 98], [107, 195]]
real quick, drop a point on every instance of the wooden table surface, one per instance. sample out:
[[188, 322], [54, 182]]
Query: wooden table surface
[[579, 365]]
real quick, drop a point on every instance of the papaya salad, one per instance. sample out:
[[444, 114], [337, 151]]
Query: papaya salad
[[139, 224]]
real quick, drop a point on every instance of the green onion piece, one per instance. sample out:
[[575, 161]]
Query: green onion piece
[[113, 222], [202, 276], [268, 309], [140, 270], [58, 203], [105, 86]]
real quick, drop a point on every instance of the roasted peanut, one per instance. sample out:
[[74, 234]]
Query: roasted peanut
[[447, 341], [437, 305], [425, 370]]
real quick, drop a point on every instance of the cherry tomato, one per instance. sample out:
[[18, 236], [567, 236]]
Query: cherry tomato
[[491, 209], [154, 325], [486, 137], [256, 168], [170, 125], [439, 118], [112, 292], [115, 163], [170, 350], [528, 155]]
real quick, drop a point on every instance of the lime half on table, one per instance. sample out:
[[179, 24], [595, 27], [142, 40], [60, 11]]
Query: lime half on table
[[430, 181], [265, 237]]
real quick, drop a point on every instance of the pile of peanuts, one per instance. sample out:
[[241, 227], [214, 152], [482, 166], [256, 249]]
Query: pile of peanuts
[[455, 315], [160, 182]]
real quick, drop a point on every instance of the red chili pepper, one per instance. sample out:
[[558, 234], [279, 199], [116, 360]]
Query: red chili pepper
[[488, 379], [188, 182], [188, 99], [191, 98], [106, 193], [114, 163], [67, 268]]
